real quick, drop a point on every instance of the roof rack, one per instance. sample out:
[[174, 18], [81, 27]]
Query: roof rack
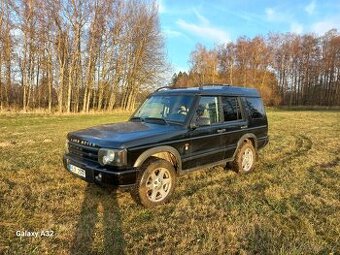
[[200, 87], [214, 84], [164, 88], [207, 85]]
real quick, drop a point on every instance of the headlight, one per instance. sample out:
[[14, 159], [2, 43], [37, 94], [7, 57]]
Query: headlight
[[66, 146], [112, 157]]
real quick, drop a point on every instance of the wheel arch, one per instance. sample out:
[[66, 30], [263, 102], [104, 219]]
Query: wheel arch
[[164, 152], [244, 138]]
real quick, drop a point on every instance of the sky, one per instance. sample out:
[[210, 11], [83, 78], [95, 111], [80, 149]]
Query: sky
[[185, 23]]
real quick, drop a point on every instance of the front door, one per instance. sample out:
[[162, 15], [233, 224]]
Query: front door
[[205, 139]]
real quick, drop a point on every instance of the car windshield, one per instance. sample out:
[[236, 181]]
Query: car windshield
[[172, 108]]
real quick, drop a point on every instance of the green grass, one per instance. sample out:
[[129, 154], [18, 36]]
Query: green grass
[[289, 205]]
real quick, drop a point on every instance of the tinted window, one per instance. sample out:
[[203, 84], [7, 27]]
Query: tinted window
[[208, 110], [231, 109], [255, 107]]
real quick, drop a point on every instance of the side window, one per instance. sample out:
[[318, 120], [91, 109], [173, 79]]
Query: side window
[[208, 111], [231, 109], [255, 107]]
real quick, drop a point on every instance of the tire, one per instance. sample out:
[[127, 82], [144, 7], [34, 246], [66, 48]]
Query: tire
[[245, 158], [228, 166], [155, 182]]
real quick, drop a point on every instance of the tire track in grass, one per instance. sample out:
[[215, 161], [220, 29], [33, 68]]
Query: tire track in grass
[[208, 177], [303, 144]]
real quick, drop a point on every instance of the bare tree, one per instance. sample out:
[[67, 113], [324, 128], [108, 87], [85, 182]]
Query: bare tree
[[145, 50], [26, 13], [74, 55], [6, 47]]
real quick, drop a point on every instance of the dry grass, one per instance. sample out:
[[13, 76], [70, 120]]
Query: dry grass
[[289, 205]]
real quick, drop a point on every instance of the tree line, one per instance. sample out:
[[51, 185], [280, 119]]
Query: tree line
[[78, 55], [82, 55], [288, 69]]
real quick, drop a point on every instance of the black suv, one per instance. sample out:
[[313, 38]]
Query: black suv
[[173, 132]]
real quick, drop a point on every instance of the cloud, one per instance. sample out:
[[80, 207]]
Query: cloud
[[204, 29], [296, 28], [285, 18], [324, 26], [274, 16], [172, 33], [203, 20], [310, 8], [270, 14], [161, 6]]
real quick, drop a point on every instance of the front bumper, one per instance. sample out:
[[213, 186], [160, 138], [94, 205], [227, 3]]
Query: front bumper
[[120, 178]]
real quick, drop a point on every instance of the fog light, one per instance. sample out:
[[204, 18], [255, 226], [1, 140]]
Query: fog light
[[99, 177]]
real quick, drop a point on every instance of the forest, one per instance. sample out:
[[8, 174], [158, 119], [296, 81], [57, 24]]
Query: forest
[[78, 55], [83, 55], [288, 69]]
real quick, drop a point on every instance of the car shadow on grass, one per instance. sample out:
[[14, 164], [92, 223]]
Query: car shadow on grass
[[99, 227]]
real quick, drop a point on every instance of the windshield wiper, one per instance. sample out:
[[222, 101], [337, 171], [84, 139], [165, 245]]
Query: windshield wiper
[[137, 118], [155, 119]]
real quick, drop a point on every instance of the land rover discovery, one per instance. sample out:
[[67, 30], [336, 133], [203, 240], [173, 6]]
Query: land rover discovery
[[175, 131]]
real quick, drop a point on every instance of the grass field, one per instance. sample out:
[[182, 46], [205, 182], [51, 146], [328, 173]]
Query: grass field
[[289, 205]]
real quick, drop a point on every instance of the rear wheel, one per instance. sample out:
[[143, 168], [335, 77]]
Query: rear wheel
[[244, 161], [155, 182]]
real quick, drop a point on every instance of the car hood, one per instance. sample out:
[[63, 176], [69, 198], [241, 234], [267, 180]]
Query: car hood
[[126, 134]]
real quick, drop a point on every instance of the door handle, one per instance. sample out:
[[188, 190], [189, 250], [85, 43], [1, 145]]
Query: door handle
[[221, 130], [243, 127]]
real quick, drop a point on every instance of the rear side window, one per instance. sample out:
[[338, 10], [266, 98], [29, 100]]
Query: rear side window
[[231, 109], [255, 107]]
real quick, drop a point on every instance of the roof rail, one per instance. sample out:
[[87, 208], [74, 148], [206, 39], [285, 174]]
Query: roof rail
[[164, 87], [214, 84], [200, 87]]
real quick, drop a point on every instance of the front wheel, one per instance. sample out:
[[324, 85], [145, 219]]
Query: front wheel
[[155, 182], [245, 158]]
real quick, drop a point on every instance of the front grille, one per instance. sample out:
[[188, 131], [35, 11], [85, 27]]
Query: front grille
[[82, 151]]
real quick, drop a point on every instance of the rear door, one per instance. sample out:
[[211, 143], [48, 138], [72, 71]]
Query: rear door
[[257, 119], [233, 124]]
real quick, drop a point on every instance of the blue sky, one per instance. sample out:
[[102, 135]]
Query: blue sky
[[185, 23]]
